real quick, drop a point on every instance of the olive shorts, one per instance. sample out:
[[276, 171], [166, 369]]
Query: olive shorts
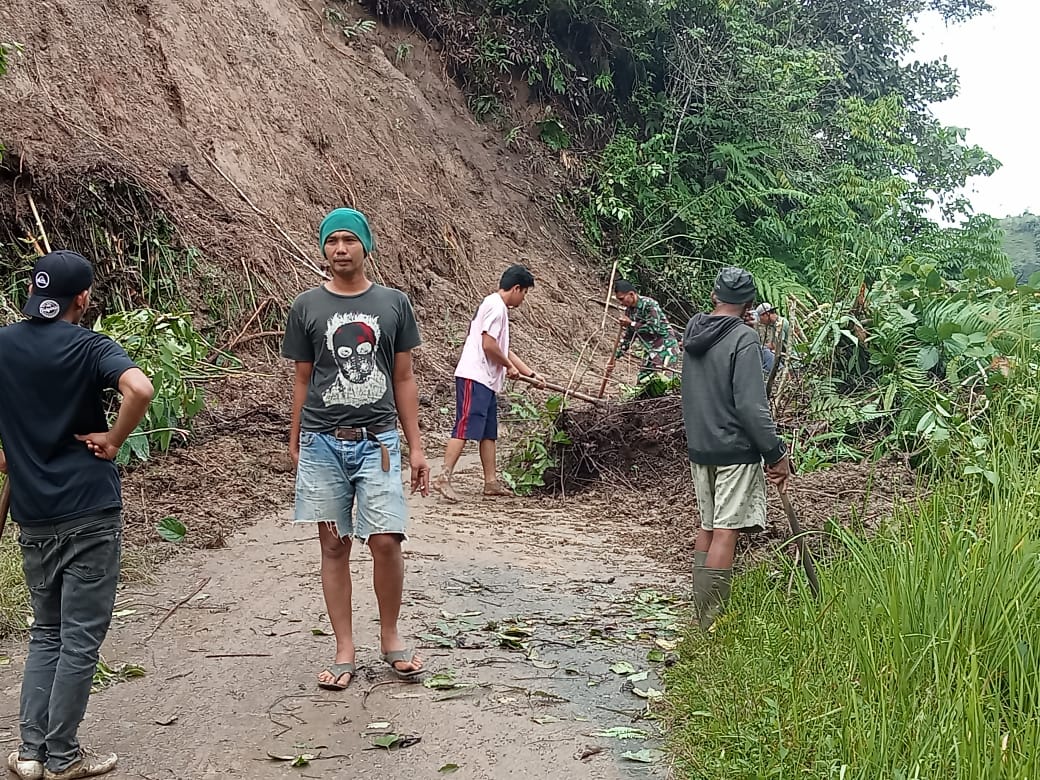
[[731, 498]]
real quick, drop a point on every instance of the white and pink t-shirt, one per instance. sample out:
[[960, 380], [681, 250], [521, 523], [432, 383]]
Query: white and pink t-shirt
[[492, 318]]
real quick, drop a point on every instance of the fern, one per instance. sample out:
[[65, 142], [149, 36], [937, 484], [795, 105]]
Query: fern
[[776, 282]]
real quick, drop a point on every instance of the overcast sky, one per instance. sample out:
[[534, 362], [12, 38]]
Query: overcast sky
[[997, 56]]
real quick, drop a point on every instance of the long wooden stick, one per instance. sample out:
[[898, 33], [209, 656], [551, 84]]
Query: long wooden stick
[[5, 504], [177, 606], [560, 389], [39, 224], [612, 362], [610, 292]]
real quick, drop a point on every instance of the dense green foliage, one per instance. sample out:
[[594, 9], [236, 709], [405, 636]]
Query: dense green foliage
[[920, 660], [1022, 244], [793, 137], [535, 450], [788, 136]]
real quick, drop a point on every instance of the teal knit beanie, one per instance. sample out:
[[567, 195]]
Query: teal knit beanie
[[349, 220]]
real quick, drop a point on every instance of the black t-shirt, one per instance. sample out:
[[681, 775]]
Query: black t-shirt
[[52, 379], [353, 341]]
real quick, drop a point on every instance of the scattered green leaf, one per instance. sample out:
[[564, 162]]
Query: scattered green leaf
[[171, 529], [386, 740], [441, 681], [623, 667], [644, 756]]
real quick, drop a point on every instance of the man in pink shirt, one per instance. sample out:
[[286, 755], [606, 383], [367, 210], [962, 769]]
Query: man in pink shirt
[[480, 375]]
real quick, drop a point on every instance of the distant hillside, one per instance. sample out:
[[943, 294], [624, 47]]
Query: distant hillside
[[1022, 244]]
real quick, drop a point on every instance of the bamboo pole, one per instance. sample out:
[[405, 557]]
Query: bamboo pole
[[613, 360], [561, 389]]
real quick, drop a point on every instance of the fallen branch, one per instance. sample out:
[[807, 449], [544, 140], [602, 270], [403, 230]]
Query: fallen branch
[[239, 655], [177, 606], [263, 335], [241, 334]]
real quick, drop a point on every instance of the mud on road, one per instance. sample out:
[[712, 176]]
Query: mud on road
[[544, 642]]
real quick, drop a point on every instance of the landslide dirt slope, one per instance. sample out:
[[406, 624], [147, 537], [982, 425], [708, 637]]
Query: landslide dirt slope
[[302, 119]]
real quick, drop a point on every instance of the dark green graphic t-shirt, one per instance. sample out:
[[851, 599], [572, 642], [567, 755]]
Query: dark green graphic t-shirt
[[351, 340]]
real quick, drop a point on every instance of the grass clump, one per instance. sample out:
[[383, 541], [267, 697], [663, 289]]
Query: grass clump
[[14, 598], [920, 661]]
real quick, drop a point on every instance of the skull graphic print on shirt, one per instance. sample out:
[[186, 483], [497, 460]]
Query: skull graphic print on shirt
[[353, 339]]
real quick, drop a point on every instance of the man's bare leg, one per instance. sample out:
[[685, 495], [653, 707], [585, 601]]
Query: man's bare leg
[[492, 487], [723, 549], [336, 587], [388, 583], [442, 484], [703, 542]]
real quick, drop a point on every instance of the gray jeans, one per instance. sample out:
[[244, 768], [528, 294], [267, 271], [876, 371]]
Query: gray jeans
[[72, 570]]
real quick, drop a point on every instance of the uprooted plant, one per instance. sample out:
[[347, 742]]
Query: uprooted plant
[[174, 355], [536, 451]]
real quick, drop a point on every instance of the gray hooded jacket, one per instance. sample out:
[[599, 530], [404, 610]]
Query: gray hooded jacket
[[725, 409]]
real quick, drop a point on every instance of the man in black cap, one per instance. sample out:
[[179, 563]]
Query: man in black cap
[[730, 433], [66, 498]]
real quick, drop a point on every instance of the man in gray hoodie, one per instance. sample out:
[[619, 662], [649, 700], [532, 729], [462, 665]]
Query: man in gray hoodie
[[730, 433]]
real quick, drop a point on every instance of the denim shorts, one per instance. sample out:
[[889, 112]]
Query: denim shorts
[[343, 482]]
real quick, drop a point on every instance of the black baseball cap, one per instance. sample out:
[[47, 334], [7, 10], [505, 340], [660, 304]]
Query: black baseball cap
[[57, 278]]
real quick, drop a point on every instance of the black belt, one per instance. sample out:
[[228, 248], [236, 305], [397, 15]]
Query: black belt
[[367, 434]]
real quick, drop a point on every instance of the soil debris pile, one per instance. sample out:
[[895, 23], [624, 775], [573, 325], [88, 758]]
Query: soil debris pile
[[627, 448], [627, 444]]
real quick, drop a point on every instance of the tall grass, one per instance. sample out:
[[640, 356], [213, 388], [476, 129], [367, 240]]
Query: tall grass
[[921, 660], [14, 598]]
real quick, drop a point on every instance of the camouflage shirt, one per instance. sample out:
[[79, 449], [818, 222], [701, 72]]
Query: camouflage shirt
[[650, 326]]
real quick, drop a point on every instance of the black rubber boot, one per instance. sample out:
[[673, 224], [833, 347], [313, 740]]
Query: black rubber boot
[[699, 557], [711, 591]]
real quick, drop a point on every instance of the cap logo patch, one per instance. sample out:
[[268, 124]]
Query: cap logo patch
[[42, 280], [49, 309]]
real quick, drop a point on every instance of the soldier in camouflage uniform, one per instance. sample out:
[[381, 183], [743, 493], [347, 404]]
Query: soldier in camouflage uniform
[[647, 322]]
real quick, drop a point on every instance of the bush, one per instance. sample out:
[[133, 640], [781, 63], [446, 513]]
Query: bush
[[920, 662], [173, 355]]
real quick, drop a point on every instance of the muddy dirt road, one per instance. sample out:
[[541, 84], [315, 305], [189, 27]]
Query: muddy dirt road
[[549, 632]]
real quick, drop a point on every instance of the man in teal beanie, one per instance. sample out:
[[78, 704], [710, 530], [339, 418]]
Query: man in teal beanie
[[350, 220], [351, 341]]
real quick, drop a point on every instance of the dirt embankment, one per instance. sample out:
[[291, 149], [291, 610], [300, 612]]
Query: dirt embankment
[[245, 122], [301, 119]]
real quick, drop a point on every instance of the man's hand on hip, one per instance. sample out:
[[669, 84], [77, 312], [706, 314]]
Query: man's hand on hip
[[101, 445], [3, 462], [420, 473]]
